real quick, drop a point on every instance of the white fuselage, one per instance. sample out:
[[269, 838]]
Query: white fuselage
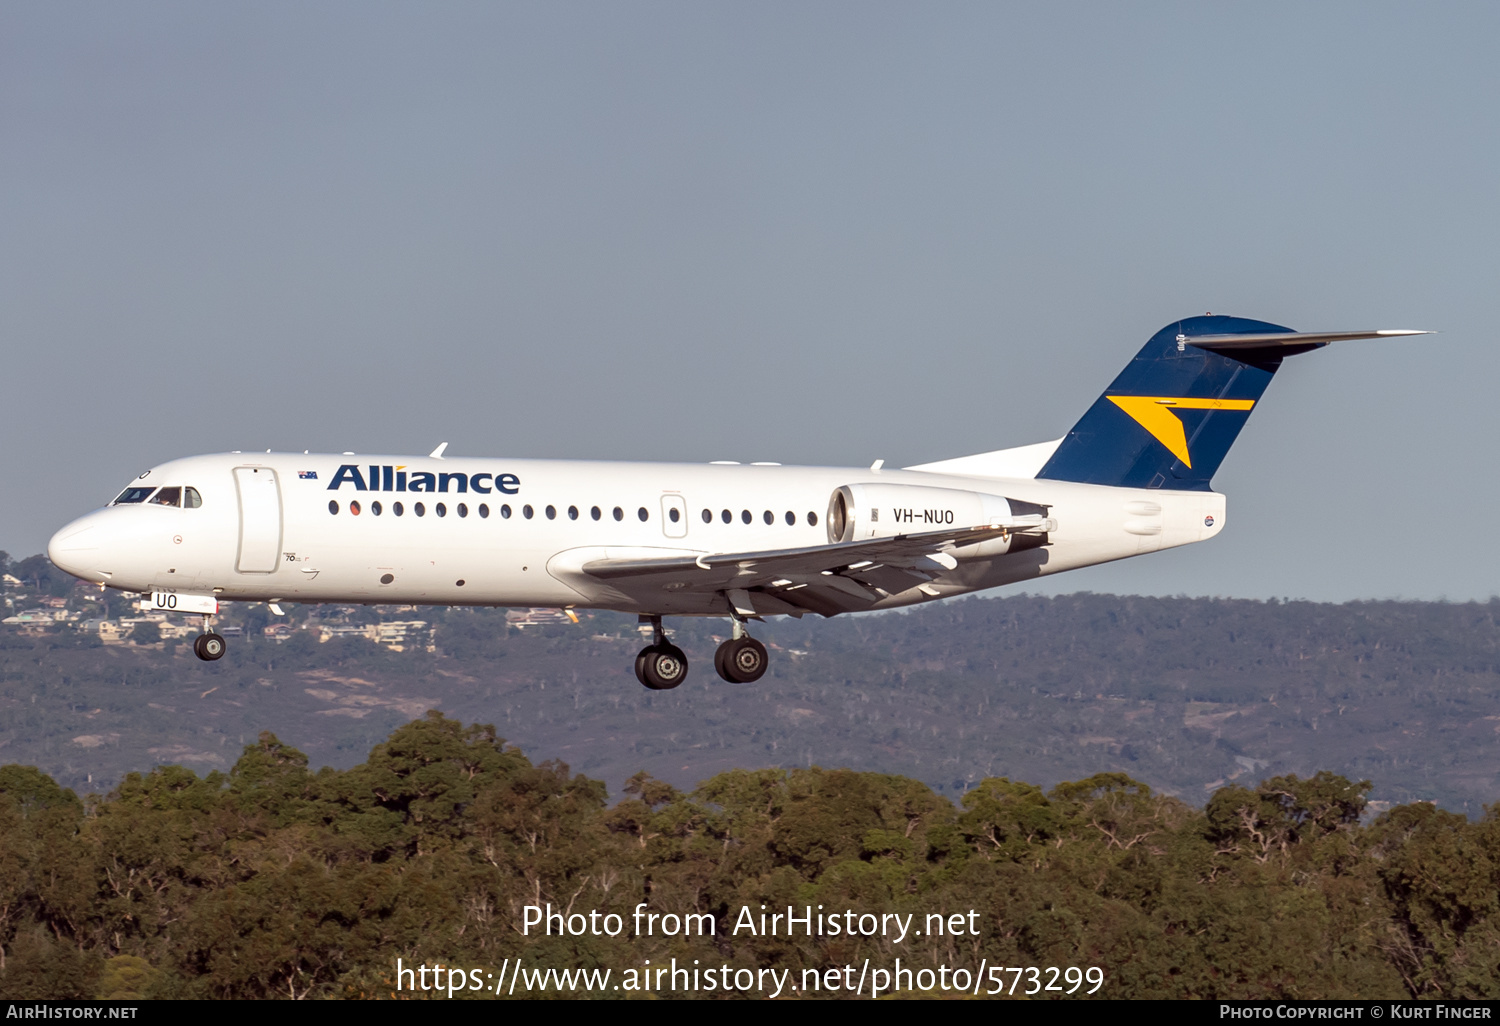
[[265, 529]]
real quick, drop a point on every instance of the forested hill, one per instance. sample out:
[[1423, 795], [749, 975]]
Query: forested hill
[[1186, 695], [273, 881]]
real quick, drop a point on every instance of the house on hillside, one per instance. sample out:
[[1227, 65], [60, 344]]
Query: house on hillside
[[522, 618], [109, 632], [32, 617], [397, 635], [328, 633]]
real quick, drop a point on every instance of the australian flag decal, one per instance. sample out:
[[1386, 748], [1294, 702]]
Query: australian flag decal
[[307, 475]]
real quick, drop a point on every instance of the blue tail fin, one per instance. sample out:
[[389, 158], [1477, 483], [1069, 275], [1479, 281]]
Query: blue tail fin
[[1170, 417]]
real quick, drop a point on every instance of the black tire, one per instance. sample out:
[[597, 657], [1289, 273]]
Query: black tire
[[742, 661], [641, 659], [209, 647], [671, 667], [661, 667]]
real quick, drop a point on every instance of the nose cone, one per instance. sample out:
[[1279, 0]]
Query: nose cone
[[76, 550]]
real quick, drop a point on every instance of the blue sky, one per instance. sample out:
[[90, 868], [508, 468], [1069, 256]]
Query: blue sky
[[821, 233]]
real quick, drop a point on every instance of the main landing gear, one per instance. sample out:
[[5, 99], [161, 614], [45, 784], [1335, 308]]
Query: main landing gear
[[209, 646], [661, 665], [741, 659]]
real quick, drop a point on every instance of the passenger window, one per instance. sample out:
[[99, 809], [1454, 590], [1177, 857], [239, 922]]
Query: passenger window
[[642, 514], [505, 511], [440, 509], [135, 494], [527, 511], [727, 516], [791, 519], [167, 497], [333, 506], [769, 517], [673, 515], [572, 512], [191, 499], [745, 516], [463, 509], [375, 507], [812, 518], [397, 508], [419, 509], [551, 512], [484, 511], [619, 513], [354, 508], [595, 513], [708, 516]]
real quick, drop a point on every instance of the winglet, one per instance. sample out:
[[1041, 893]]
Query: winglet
[[437, 453]]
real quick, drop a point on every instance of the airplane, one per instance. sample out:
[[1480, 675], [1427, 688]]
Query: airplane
[[743, 542]]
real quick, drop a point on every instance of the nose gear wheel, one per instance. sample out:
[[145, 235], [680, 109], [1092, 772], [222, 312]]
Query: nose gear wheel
[[209, 647]]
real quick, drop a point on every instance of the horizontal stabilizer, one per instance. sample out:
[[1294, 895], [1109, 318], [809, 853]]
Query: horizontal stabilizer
[[1227, 343]]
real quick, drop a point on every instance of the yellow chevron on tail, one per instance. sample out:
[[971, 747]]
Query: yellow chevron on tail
[[1154, 413]]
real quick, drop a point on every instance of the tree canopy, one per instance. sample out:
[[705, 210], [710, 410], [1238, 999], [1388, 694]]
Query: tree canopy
[[273, 880]]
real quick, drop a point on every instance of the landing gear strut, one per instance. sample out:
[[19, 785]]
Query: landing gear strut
[[209, 646], [741, 659], [661, 665]]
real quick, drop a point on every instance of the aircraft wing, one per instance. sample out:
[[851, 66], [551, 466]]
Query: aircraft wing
[[838, 578]]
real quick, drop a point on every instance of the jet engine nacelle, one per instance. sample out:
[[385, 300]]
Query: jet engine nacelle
[[860, 511]]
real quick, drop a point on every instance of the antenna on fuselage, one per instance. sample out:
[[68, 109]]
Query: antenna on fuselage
[[437, 453]]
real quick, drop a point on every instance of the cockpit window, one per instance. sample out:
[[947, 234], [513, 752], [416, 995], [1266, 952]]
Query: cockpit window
[[167, 497], [135, 493], [191, 499]]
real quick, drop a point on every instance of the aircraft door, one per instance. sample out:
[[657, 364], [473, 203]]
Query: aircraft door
[[260, 520], [674, 521]]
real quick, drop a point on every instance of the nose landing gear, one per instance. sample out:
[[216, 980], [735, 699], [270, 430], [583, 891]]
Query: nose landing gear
[[209, 646], [661, 665]]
